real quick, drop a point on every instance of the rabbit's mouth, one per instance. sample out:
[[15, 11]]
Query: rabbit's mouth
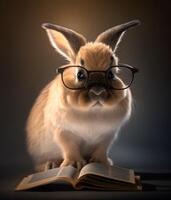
[[97, 93], [97, 104]]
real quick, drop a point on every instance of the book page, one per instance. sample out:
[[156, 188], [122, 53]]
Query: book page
[[111, 172], [67, 173], [43, 175]]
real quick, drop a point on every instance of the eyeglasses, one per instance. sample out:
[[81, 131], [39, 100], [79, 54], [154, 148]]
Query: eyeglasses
[[118, 77]]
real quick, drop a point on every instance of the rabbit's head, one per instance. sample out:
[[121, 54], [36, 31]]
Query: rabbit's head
[[92, 78]]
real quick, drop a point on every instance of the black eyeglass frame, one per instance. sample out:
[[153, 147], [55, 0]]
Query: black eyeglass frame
[[134, 70]]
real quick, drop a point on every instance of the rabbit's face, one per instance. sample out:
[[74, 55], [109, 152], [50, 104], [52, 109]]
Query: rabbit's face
[[93, 57], [97, 56]]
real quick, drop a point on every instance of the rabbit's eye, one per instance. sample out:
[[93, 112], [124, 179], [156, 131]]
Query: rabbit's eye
[[111, 75], [81, 75]]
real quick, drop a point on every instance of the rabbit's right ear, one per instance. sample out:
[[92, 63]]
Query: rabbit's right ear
[[64, 40], [113, 36]]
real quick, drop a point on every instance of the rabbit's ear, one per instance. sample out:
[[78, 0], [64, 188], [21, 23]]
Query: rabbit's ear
[[64, 40], [113, 36]]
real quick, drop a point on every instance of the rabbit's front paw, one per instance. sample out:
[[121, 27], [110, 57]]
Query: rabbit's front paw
[[48, 165], [75, 163]]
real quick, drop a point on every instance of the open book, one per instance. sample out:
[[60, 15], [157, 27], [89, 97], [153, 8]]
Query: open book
[[94, 176]]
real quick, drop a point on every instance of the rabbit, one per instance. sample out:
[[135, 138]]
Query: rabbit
[[76, 127]]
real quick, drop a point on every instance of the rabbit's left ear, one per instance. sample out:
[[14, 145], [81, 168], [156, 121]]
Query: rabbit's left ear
[[66, 41], [113, 36]]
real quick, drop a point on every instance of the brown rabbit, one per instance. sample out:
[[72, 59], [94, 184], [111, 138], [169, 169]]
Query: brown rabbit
[[78, 115]]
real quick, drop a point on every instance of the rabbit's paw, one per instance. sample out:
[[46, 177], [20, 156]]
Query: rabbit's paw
[[48, 165], [75, 163]]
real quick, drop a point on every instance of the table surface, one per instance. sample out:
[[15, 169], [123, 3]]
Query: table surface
[[155, 186]]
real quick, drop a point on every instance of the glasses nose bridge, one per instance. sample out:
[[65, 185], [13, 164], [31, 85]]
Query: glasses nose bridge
[[97, 76]]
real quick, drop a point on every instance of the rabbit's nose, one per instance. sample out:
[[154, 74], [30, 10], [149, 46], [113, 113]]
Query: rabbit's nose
[[97, 92]]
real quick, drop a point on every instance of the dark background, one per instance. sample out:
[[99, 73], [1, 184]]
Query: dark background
[[28, 63]]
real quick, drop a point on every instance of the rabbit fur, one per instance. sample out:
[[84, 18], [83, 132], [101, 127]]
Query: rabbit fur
[[65, 127]]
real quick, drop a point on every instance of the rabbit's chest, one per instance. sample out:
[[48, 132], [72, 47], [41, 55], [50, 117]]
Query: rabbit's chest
[[92, 130]]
